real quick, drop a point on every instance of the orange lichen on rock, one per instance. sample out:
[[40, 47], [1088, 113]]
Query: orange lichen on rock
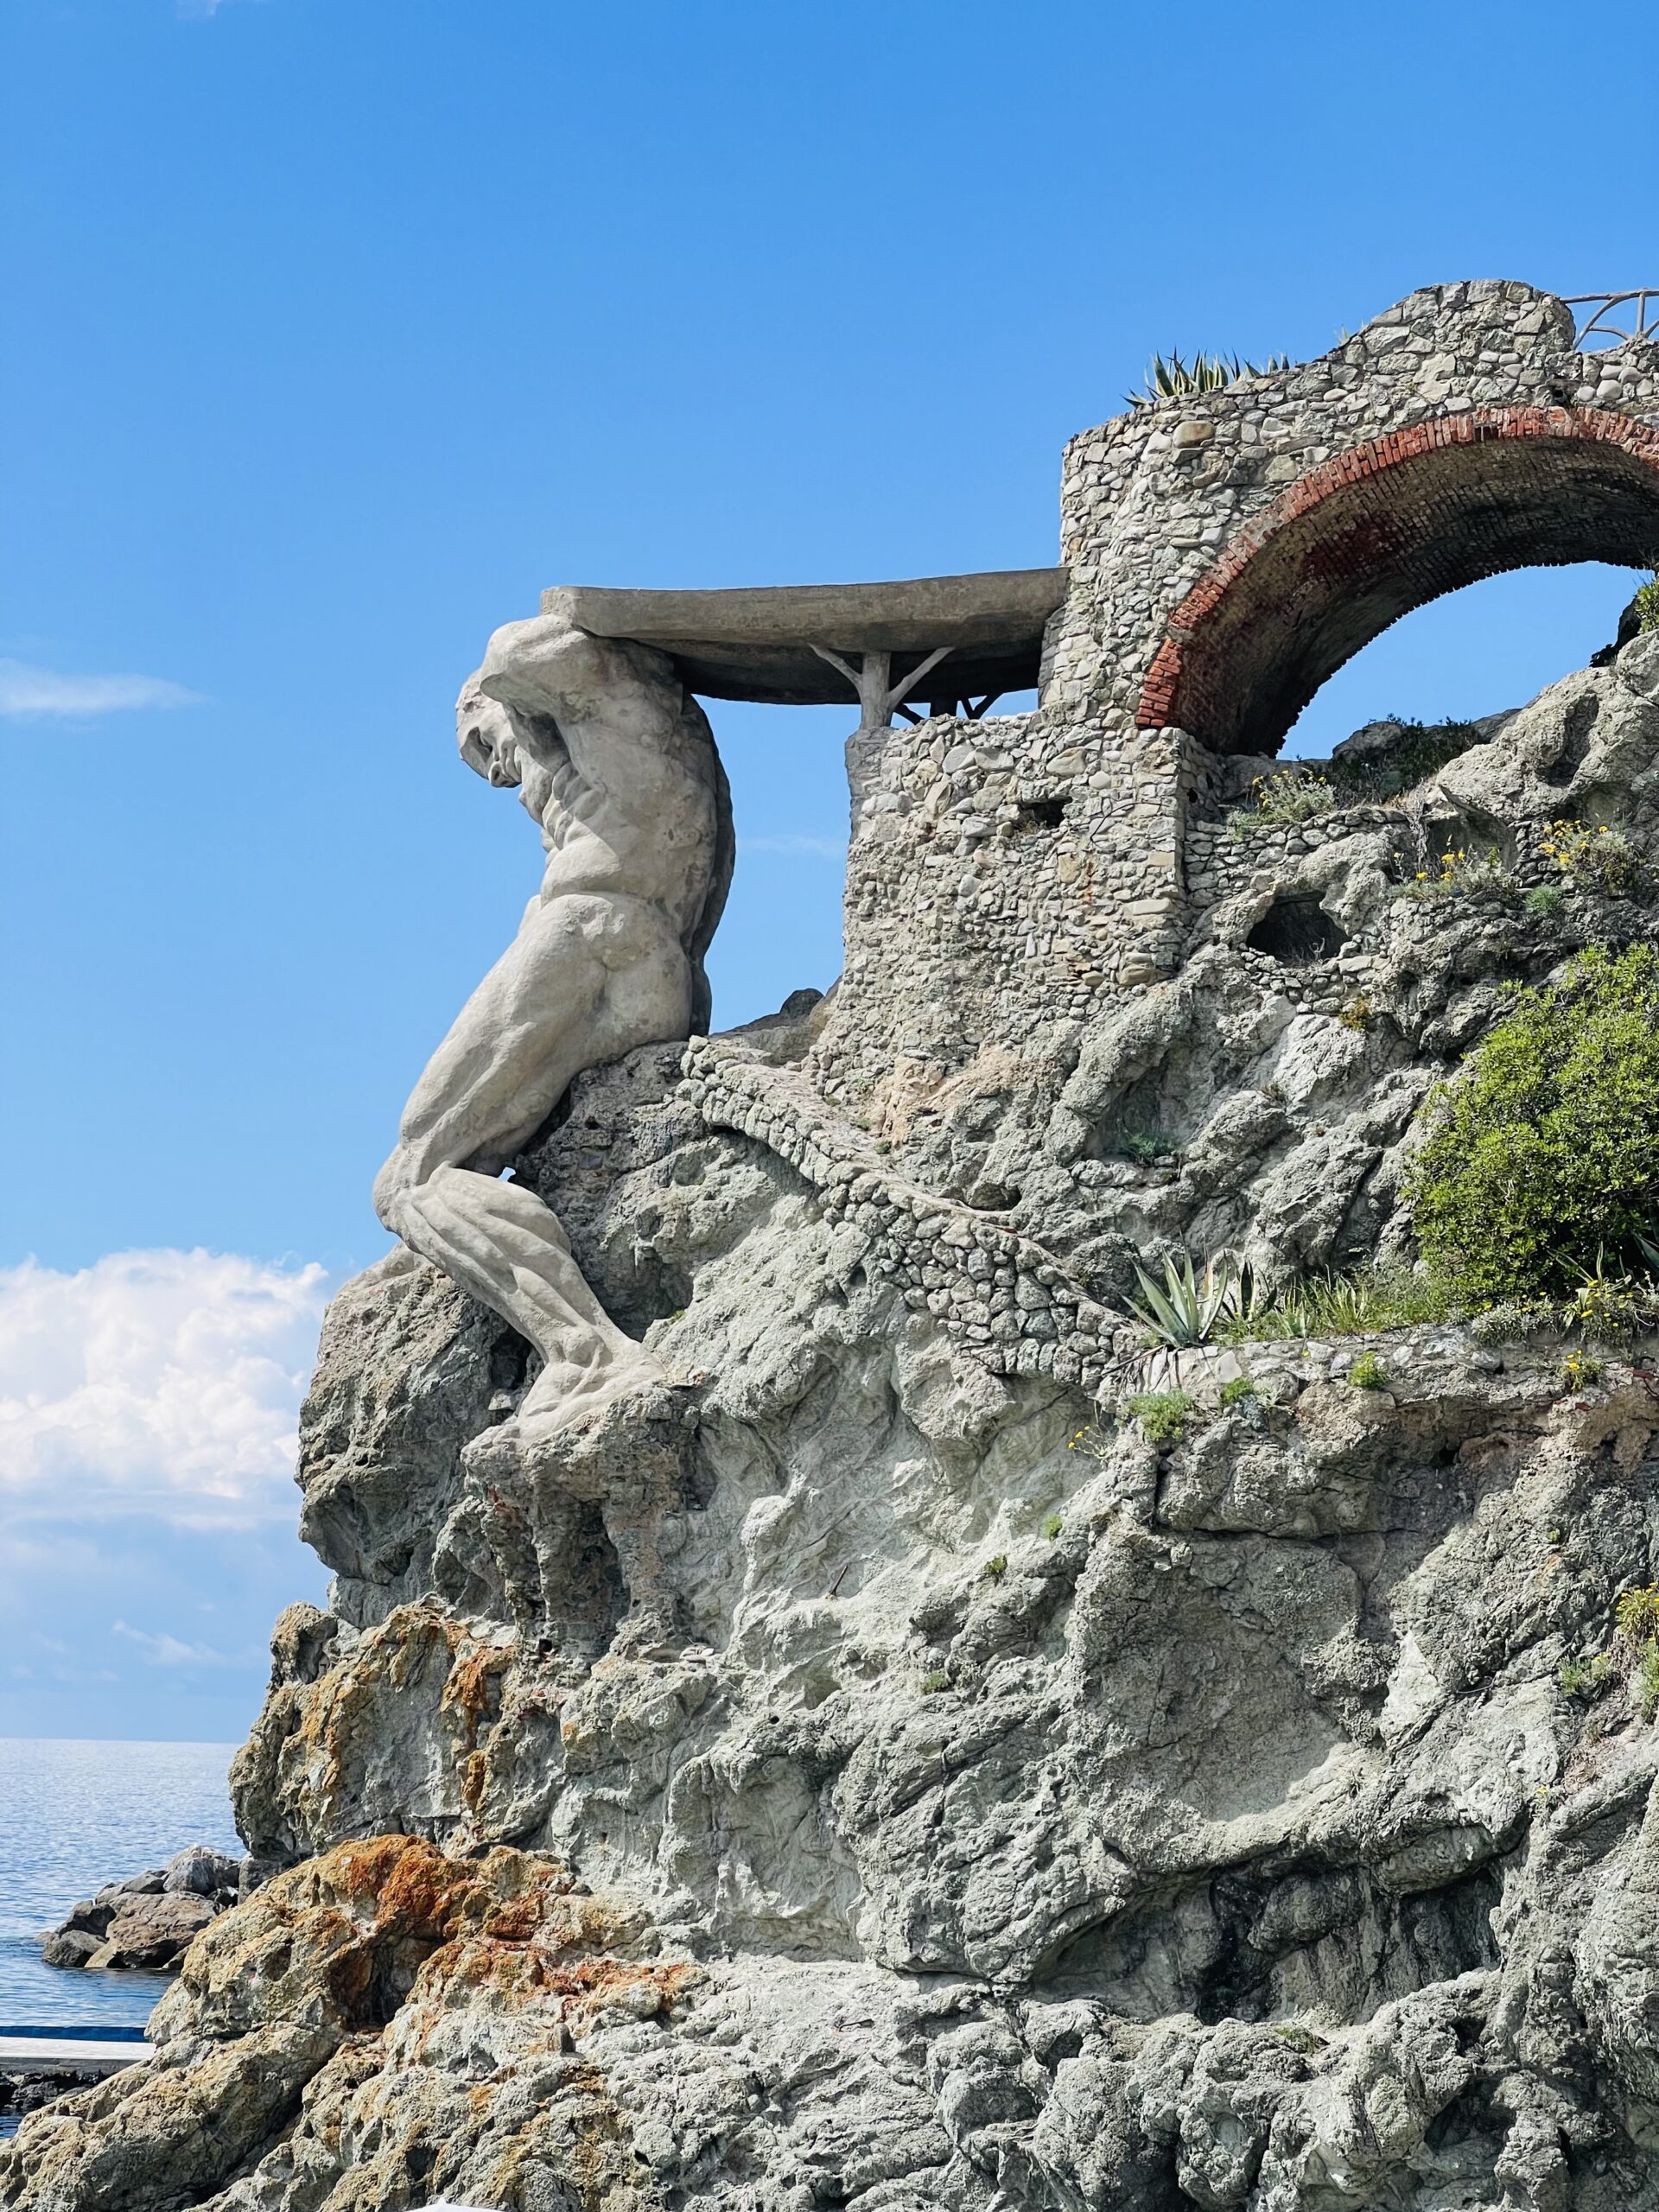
[[471, 1689], [420, 1674], [319, 2001]]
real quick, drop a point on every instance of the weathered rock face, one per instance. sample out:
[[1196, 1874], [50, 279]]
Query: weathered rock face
[[893, 1780], [880, 1773]]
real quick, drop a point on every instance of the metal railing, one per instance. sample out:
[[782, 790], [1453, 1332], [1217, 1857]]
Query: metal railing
[[1616, 318]]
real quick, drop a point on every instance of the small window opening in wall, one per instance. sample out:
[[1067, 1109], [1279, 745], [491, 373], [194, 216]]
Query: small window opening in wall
[[1296, 931], [1042, 813]]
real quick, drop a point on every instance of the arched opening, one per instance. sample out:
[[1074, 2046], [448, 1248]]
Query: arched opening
[[1376, 533], [1469, 654]]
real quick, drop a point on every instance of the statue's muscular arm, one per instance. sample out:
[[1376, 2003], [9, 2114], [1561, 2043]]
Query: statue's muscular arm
[[613, 716]]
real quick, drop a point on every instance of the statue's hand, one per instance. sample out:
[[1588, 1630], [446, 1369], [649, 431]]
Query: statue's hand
[[546, 666]]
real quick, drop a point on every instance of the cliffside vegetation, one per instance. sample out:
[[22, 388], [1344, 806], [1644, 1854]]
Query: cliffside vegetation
[[1543, 1166]]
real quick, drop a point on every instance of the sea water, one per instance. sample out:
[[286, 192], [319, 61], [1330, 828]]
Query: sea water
[[73, 1816]]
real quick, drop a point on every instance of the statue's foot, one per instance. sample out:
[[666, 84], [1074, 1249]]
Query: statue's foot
[[561, 1396], [628, 1450], [596, 1444]]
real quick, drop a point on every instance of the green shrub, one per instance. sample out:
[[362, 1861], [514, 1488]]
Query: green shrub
[[1163, 1415], [1644, 1681], [934, 1682], [1281, 800], [1637, 1615], [1238, 1390], [1368, 1373], [1299, 2038], [1609, 1303], [1545, 899], [1419, 751], [1464, 875], [1585, 1679], [1579, 1370], [1145, 1146], [1052, 1526], [995, 1567], [1646, 604], [1510, 1324], [1545, 1152]]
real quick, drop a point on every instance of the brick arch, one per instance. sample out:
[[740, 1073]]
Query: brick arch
[[1381, 530]]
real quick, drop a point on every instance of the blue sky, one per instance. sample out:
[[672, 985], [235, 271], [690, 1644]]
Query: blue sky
[[337, 329]]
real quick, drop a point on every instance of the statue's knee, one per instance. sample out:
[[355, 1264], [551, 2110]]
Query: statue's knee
[[392, 1186]]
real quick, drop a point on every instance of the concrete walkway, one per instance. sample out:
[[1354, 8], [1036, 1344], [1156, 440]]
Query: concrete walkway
[[76, 2054]]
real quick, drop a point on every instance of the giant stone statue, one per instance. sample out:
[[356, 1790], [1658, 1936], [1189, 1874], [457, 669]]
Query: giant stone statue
[[617, 763]]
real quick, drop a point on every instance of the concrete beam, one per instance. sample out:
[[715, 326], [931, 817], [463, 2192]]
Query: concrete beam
[[760, 643]]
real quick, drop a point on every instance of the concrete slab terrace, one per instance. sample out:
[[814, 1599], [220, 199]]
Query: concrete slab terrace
[[759, 644]]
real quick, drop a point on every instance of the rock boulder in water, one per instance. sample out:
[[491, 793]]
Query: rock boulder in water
[[147, 1921]]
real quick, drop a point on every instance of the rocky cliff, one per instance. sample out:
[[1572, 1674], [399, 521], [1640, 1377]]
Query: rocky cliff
[[898, 1775], [901, 1781]]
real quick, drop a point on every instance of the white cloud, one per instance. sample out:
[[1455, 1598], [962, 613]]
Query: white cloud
[[30, 691], [822, 848], [155, 1382], [165, 1650]]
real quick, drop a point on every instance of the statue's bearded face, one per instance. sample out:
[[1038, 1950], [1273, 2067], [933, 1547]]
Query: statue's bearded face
[[484, 731]]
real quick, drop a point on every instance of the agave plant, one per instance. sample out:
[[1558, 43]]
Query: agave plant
[[1169, 376], [1192, 1304]]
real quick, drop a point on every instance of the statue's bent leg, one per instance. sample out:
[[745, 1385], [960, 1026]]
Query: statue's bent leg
[[589, 977], [497, 1241]]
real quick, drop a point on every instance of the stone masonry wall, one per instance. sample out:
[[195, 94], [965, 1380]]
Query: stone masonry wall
[[1154, 501], [977, 913], [1009, 879], [1019, 1309], [1023, 871]]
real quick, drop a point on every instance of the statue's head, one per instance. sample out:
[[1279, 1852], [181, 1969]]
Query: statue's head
[[485, 733]]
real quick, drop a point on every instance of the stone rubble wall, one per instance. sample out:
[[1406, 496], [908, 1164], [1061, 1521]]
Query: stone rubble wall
[[1010, 880], [1020, 1311], [970, 920], [973, 916], [1224, 868]]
